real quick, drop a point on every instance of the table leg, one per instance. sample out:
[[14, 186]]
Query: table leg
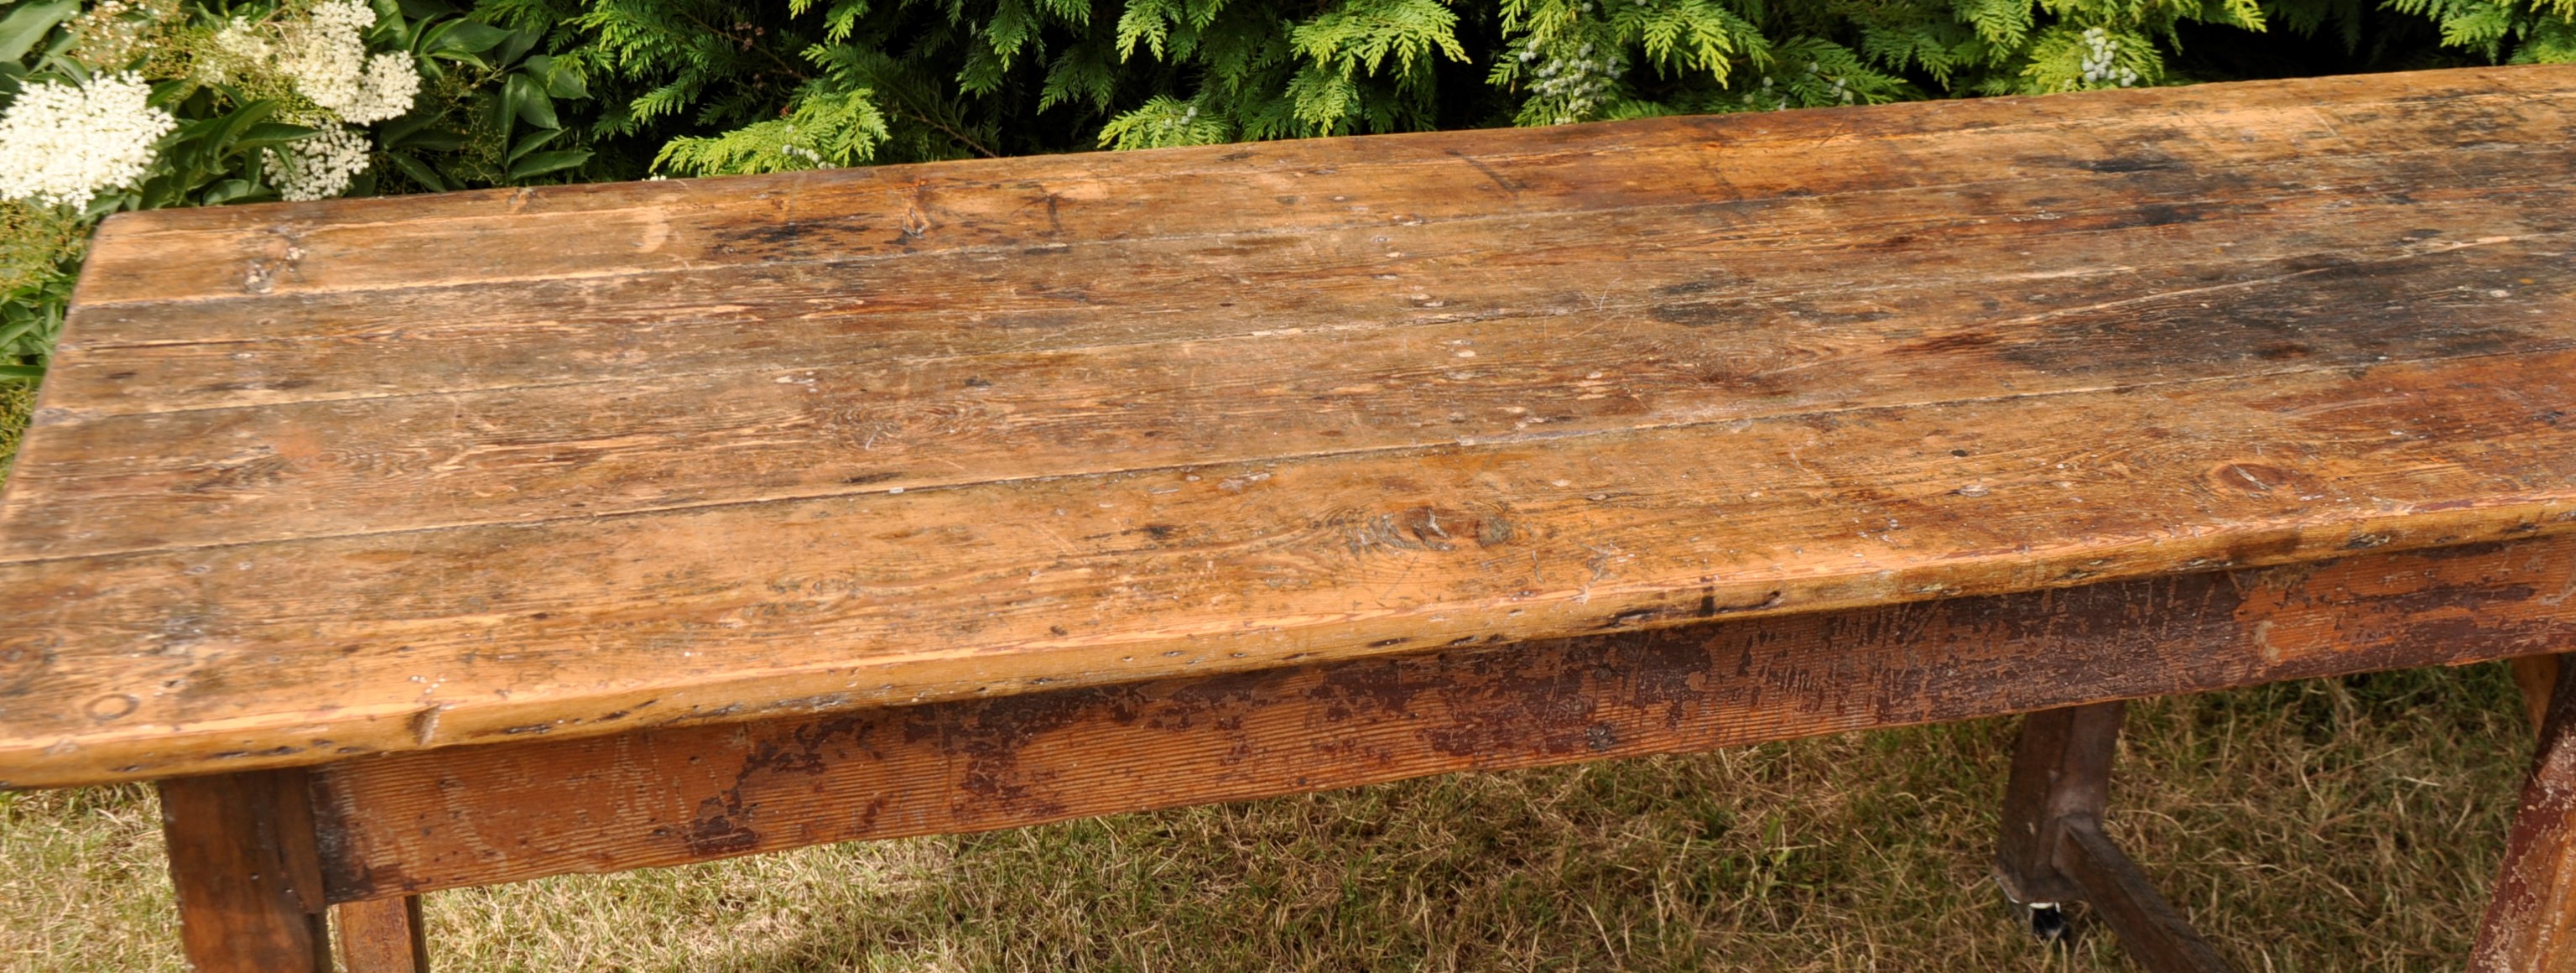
[[382, 936], [247, 872], [2052, 848], [2530, 924], [2536, 674]]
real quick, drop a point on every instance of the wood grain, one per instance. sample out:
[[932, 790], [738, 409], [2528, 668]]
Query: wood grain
[[450, 474], [2530, 923], [2537, 677], [2151, 931], [477, 815], [905, 211], [382, 936], [1065, 296], [260, 654], [244, 866], [816, 411]]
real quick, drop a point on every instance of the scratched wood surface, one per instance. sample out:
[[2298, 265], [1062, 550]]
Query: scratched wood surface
[[464, 816], [319, 480]]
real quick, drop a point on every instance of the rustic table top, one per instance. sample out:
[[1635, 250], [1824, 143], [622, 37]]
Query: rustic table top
[[314, 480]]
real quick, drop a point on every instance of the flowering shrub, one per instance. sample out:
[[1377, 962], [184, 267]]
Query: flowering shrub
[[109, 105], [62, 142], [143, 104]]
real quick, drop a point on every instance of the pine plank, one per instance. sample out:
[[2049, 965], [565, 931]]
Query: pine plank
[[1288, 187], [1067, 296]]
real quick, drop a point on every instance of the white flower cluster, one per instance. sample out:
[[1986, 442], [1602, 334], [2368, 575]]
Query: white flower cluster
[[60, 144], [2101, 60], [239, 49], [328, 62], [319, 167], [1577, 83]]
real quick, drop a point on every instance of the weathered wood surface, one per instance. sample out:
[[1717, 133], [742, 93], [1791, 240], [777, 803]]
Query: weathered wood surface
[[248, 877], [2530, 923], [2537, 677], [2151, 931], [319, 480], [382, 936], [478, 815]]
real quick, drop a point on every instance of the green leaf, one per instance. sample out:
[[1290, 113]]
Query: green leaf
[[535, 140], [9, 335], [229, 190], [24, 26], [430, 140], [169, 92], [236, 124], [419, 171], [22, 371], [559, 76], [519, 43], [100, 206], [545, 162], [393, 132], [461, 37], [271, 134], [527, 99]]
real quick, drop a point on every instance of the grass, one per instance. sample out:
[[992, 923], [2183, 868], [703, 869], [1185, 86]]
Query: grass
[[2349, 824], [2332, 825]]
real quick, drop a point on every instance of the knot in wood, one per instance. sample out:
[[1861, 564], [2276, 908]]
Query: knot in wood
[[1433, 528], [22, 658]]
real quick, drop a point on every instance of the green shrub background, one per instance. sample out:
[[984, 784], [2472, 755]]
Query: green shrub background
[[522, 92]]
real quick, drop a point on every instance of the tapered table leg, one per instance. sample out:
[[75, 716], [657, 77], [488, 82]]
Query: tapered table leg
[[2530, 924], [247, 872], [382, 936], [2052, 849]]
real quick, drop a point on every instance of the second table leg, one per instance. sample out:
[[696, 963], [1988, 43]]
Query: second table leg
[[2052, 848], [2530, 925]]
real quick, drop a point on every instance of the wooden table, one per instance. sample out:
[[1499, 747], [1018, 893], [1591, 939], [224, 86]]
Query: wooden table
[[440, 541]]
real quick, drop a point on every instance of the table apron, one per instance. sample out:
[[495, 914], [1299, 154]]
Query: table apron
[[477, 815]]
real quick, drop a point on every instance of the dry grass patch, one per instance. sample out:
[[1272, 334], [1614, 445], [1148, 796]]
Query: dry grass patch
[[82, 882], [2332, 825]]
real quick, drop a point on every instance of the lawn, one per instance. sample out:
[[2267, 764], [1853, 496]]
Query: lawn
[[2349, 824]]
